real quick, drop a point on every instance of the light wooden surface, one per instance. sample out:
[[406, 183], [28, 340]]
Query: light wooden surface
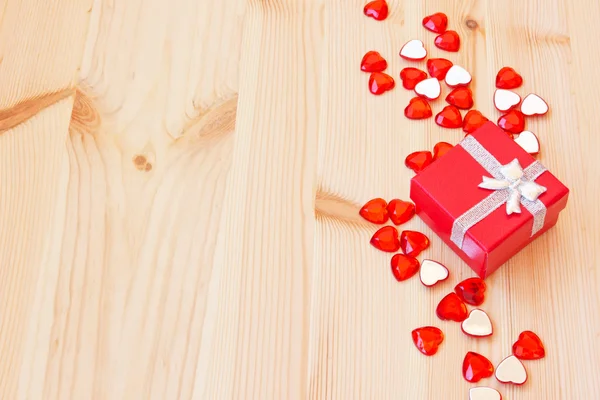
[[179, 187]]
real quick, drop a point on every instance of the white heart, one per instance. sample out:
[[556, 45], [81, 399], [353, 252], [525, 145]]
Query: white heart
[[457, 76], [534, 105], [429, 88], [478, 324], [413, 50], [529, 142], [484, 393], [432, 272], [511, 370], [504, 99]]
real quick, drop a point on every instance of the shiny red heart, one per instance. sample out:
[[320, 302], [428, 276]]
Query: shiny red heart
[[418, 160], [373, 62], [380, 82], [440, 149], [438, 67], [449, 41], [512, 122], [476, 367], [418, 108], [452, 308], [386, 239], [473, 121], [471, 291], [413, 243], [529, 347], [377, 9], [404, 267], [437, 22], [461, 97], [508, 78], [411, 76], [428, 339], [375, 211], [449, 117], [400, 211]]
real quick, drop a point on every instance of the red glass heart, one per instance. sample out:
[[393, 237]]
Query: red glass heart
[[428, 339], [452, 308], [529, 347], [471, 291], [375, 211], [449, 41], [377, 9], [404, 267], [508, 78], [380, 82], [413, 243], [512, 122], [411, 76], [418, 108], [438, 67], [373, 62], [386, 239], [461, 97], [449, 117], [418, 160], [440, 149], [437, 22], [400, 211], [473, 121], [476, 367]]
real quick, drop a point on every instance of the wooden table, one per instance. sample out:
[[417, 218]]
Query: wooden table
[[179, 187]]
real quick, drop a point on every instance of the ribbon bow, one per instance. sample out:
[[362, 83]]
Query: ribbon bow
[[517, 185]]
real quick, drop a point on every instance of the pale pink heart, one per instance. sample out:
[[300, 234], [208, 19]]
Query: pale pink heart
[[504, 99], [477, 324], [413, 50], [429, 88], [511, 370], [529, 142], [432, 272], [534, 105]]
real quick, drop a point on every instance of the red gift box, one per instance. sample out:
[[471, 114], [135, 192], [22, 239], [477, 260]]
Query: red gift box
[[487, 198]]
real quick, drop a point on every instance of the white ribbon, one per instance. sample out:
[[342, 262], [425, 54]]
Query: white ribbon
[[511, 185]]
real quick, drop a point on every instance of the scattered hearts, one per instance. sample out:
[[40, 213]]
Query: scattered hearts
[[458, 76], [373, 62], [512, 122], [441, 149], [386, 239], [471, 291], [429, 88], [529, 347], [418, 160], [413, 50], [508, 78], [461, 97], [428, 339], [529, 142], [438, 67], [432, 272], [449, 41], [451, 308], [484, 393], [473, 121], [478, 324], [476, 367], [511, 370], [437, 22], [449, 117], [404, 267], [534, 105], [380, 82], [413, 243], [377, 10], [375, 211], [400, 211], [411, 76], [504, 99], [418, 108]]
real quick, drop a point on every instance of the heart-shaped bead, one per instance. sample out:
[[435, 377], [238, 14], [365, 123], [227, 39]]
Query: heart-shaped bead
[[473, 120], [438, 67], [534, 105], [512, 122], [478, 324], [428, 339], [380, 82], [529, 347], [377, 9], [449, 41], [432, 272], [404, 267], [437, 22], [484, 393], [413, 243], [375, 211], [411, 76], [413, 50], [461, 97], [458, 76], [508, 78], [429, 88], [471, 291], [476, 367], [441, 149], [511, 370], [452, 308], [418, 160], [418, 108], [386, 239], [529, 142], [504, 99], [372, 61], [400, 211], [449, 117]]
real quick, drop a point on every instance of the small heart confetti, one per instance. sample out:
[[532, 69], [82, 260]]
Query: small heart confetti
[[511, 370], [473, 120], [529, 346], [377, 10], [438, 67], [418, 108], [512, 122], [508, 78], [476, 367], [375, 211], [404, 267], [429, 88], [432, 272], [458, 76], [373, 62], [478, 324], [418, 160], [449, 117], [451, 308], [484, 393], [400, 211], [529, 142], [504, 100], [413, 243], [534, 105], [437, 22], [471, 291], [413, 50], [449, 41], [441, 149], [411, 76], [386, 239], [461, 97], [428, 339], [380, 82]]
